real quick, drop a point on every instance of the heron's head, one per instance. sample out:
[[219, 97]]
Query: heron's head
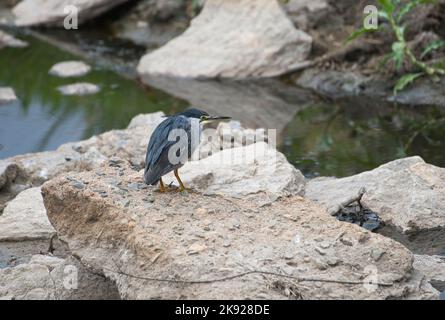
[[201, 115]]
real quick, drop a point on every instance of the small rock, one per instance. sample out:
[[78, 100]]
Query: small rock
[[320, 251], [346, 241], [289, 255], [134, 186], [7, 95], [376, 254], [70, 69], [332, 261], [115, 162], [77, 184], [10, 41], [125, 203], [325, 245], [196, 248], [201, 211], [79, 89]]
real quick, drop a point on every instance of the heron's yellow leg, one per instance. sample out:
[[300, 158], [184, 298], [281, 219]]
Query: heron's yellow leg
[[161, 185], [181, 185]]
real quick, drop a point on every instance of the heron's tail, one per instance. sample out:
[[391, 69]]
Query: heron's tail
[[151, 177]]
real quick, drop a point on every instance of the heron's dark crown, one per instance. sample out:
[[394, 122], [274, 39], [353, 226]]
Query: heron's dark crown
[[193, 113]]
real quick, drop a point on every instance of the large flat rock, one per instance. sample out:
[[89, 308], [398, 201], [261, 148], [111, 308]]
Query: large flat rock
[[130, 232], [232, 39]]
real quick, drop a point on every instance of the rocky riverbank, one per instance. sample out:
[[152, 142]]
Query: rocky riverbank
[[79, 223], [235, 219]]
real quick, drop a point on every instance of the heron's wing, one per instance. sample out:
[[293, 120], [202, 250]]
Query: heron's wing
[[159, 143]]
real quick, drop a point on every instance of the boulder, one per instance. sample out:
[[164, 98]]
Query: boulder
[[160, 245], [239, 172], [24, 218], [7, 95], [232, 39], [433, 267], [406, 193], [70, 69], [52, 278], [79, 89], [52, 12]]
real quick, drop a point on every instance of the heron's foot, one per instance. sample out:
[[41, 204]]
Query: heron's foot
[[162, 186], [181, 185]]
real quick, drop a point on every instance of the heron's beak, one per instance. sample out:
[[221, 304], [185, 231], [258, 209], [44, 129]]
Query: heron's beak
[[213, 118]]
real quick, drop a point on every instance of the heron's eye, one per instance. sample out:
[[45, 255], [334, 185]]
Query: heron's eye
[[203, 118]]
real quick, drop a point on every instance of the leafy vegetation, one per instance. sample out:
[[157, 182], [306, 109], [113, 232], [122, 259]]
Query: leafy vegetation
[[394, 12]]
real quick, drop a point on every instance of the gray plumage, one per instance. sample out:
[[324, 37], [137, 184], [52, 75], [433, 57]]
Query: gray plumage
[[157, 162]]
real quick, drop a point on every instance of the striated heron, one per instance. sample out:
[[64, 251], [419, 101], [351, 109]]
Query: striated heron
[[172, 143]]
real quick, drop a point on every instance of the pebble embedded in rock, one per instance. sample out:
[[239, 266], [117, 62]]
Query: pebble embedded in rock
[[78, 185], [376, 254], [320, 251], [133, 186], [196, 248], [69, 69], [79, 89], [201, 211]]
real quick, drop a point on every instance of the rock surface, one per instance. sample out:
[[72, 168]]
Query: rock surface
[[130, 230], [7, 95], [52, 12], [433, 267], [24, 218], [51, 278], [232, 39], [79, 89], [243, 171], [70, 69], [406, 193]]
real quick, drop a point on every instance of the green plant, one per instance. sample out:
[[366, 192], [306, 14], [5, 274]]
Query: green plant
[[394, 12]]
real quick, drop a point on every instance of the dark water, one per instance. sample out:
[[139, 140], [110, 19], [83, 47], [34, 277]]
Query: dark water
[[319, 137]]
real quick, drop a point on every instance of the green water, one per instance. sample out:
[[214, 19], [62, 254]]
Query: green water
[[344, 138], [44, 118], [324, 138]]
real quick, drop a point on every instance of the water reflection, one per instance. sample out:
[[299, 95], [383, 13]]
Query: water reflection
[[344, 138], [320, 137], [43, 119]]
